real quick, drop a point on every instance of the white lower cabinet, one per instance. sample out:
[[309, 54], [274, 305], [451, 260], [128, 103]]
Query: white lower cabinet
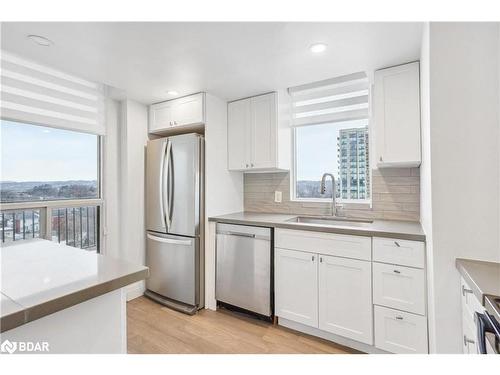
[[402, 288], [296, 286], [400, 332], [328, 282], [345, 298]]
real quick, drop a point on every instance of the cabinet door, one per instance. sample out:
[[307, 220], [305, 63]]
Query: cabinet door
[[188, 110], [239, 134], [399, 287], [160, 117], [263, 123], [400, 332], [345, 298], [397, 116], [296, 286]]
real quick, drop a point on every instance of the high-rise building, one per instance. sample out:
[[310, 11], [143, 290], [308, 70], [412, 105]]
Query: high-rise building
[[353, 164]]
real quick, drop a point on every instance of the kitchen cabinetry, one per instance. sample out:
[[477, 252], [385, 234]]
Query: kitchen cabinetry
[[399, 287], [396, 110], [345, 298], [172, 114], [341, 287], [259, 133], [328, 281], [400, 332], [296, 299], [470, 305]]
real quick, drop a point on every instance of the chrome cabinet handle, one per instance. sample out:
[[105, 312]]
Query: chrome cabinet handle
[[321, 259], [468, 341], [240, 234], [399, 317], [312, 258], [396, 271], [465, 290], [397, 244]]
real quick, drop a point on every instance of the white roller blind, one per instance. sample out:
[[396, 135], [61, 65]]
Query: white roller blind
[[37, 94], [338, 99]]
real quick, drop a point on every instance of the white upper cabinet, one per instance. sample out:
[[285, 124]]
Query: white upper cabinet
[[397, 116], [258, 138], [169, 115], [239, 134]]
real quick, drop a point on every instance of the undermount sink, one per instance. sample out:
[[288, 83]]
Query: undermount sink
[[330, 221]]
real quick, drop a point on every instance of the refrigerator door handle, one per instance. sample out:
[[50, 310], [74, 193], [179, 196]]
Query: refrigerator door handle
[[162, 166], [166, 212], [171, 185], [169, 240]]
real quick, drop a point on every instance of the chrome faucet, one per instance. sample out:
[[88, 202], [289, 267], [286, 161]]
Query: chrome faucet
[[334, 191]]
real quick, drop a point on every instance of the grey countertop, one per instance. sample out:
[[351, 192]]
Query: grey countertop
[[40, 277], [404, 230], [482, 277]]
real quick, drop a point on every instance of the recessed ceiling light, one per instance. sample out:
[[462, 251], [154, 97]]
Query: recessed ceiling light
[[318, 48], [172, 92], [40, 40]]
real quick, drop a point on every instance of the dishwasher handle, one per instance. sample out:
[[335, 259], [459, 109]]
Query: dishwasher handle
[[243, 234], [240, 234]]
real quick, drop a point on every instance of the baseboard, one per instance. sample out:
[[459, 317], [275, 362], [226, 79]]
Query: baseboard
[[135, 290], [365, 348]]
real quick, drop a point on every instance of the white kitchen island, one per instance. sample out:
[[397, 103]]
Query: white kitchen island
[[60, 299]]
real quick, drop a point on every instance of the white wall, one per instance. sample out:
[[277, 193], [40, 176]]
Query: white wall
[[223, 189], [460, 208], [133, 138], [425, 177], [111, 176]]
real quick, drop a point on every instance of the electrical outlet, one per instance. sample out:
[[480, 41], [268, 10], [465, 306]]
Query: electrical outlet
[[278, 195]]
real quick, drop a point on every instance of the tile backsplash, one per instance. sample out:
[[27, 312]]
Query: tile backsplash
[[395, 196]]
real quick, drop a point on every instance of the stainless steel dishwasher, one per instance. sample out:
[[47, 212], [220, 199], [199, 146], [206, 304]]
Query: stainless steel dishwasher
[[244, 273]]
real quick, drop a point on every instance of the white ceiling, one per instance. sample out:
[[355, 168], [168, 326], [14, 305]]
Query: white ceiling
[[230, 60]]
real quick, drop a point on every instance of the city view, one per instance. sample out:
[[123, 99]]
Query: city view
[[344, 153], [12, 191]]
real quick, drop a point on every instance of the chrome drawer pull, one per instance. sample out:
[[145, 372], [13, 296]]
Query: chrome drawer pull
[[396, 271], [465, 290], [399, 317], [312, 258], [397, 244], [468, 341]]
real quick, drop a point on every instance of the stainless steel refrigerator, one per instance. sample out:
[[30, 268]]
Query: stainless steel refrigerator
[[174, 221]]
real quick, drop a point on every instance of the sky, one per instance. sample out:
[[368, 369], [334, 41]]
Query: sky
[[317, 149], [38, 153]]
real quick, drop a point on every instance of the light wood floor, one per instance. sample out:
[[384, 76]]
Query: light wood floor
[[153, 328]]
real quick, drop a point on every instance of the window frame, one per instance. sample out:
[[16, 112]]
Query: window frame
[[46, 206], [364, 203]]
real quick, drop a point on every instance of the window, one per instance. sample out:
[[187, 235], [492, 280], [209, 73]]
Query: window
[[41, 163], [47, 177], [331, 135]]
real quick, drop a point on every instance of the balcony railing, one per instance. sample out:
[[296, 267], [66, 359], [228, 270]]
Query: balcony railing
[[73, 225]]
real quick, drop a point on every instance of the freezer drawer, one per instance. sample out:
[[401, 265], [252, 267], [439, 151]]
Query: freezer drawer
[[243, 276], [173, 263]]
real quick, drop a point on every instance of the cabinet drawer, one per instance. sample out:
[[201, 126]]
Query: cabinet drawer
[[400, 332], [402, 252], [399, 287], [355, 247], [470, 304], [469, 335]]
